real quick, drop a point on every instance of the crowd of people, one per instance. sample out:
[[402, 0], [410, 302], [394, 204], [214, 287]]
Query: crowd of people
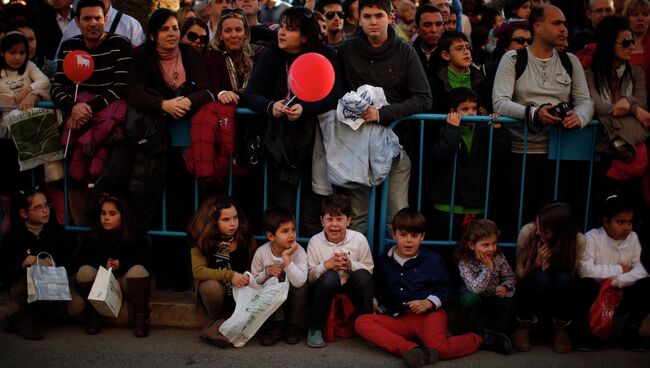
[[514, 58]]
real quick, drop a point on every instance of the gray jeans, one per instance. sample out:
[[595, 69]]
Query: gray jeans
[[398, 196]]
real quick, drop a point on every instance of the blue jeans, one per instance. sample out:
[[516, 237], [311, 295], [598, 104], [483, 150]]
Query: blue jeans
[[546, 293]]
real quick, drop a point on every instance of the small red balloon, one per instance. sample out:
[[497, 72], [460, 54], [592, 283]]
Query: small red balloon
[[78, 66], [311, 77]]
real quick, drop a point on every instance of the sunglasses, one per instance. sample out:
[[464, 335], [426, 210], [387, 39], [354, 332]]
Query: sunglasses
[[237, 11], [627, 42], [193, 36], [331, 14], [522, 40]]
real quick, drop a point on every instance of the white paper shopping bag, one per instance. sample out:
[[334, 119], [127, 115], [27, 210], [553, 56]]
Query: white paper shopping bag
[[106, 295]]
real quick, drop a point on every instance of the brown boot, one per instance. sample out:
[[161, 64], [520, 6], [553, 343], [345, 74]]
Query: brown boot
[[561, 339], [210, 333], [94, 320], [139, 291], [521, 336]]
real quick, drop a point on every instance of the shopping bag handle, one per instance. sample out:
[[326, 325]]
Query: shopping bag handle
[[252, 283], [38, 258]]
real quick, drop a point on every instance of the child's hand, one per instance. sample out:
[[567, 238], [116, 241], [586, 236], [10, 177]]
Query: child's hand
[[453, 119], [28, 102], [22, 94], [239, 280], [420, 306], [343, 262], [274, 270], [113, 263], [501, 291], [28, 261], [494, 117], [626, 267], [485, 259], [482, 111], [289, 251]]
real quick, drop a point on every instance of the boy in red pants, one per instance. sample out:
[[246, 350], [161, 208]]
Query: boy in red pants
[[413, 286]]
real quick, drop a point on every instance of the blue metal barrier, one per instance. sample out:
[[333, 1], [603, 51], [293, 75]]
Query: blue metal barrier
[[580, 144], [577, 150]]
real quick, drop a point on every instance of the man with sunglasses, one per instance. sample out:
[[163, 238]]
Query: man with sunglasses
[[333, 12], [596, 11]]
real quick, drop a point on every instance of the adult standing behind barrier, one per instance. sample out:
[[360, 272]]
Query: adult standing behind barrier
[[548, 78], [547, 251], [378, 58], [638, 13], [168, 81], [290, 133], [111, 55], [618, 91]]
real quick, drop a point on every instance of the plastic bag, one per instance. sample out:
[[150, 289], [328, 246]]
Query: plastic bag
[[353, 105], [255, 304], [602, 310]]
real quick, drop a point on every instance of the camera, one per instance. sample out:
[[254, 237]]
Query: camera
[[560, 110]]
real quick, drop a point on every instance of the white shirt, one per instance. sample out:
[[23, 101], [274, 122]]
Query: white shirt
[[603, 255], [63, 22], [128, 27], [296, 271], [355, 245]]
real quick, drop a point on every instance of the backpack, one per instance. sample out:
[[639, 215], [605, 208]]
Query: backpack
[[522, 62]]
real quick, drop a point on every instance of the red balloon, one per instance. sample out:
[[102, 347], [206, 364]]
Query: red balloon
[[78, 66], [311, 77]]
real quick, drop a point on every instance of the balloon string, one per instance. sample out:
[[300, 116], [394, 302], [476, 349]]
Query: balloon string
[[67, 141], [288, 102]]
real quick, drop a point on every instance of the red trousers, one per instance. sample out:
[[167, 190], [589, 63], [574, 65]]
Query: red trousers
[[398, 335]]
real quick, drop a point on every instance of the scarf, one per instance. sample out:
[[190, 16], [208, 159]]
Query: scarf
[[171, 67]]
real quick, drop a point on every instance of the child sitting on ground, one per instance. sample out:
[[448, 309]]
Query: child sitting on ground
[[488, 280], [282, 257], [412, 289], [339, 260]]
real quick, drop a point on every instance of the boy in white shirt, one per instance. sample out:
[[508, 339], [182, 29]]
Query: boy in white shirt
[[282, 257], [340, 260]]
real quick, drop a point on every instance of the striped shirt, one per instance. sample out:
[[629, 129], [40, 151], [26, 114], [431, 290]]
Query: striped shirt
[[112, 60]]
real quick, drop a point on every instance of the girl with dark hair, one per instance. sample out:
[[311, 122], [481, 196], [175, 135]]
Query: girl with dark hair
[[222, 247], [292, 122], [546, 265], [34, 232], [195, 32], [114, 243], [613, 252], [519, 9], [230, 57]]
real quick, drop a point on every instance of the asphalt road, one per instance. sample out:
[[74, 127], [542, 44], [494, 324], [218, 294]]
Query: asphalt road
[[68, 346]]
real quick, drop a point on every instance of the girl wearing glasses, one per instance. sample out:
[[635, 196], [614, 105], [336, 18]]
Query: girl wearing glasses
[[194, 32], [292, 123], [31, 233], [229, 59]]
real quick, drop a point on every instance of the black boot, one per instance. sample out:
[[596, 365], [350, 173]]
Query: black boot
[[94, 319], [22, 322], [139, 293]]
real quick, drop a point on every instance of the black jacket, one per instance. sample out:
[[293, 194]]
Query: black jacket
[[471, 171], [20, 243], [441, 88], [96, 252], [394, 66]]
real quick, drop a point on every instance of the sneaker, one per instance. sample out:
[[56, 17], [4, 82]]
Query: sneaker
[[418, 357], [315, 338], [271, 336], [292, 336], [495, 341]]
